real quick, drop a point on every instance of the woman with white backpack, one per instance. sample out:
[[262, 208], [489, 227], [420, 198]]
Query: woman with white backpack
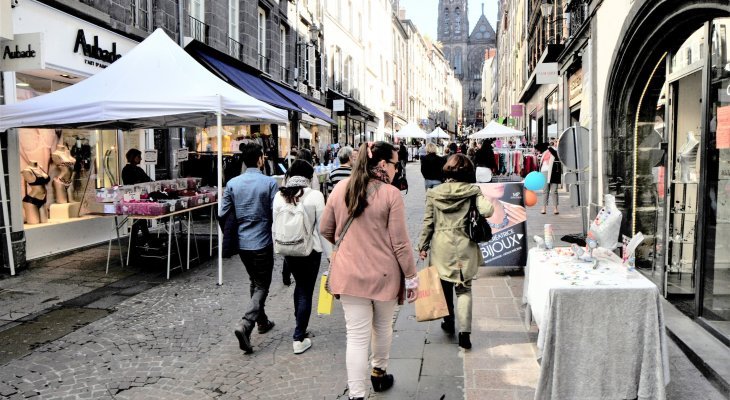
[[297, 210]]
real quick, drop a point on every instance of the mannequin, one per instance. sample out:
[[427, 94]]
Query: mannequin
[[35, 198], [65, 164], [687, 159]]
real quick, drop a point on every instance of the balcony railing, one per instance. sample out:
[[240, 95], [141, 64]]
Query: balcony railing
[[235, 49], [199, 30], [578, 13]]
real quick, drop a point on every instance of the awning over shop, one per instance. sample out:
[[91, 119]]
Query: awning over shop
[[249, 83], [301, 102]]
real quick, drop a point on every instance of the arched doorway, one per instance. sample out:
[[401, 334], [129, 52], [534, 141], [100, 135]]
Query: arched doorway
[[665, 150]]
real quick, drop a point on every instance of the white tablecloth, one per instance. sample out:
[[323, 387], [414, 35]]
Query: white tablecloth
[[601, 332]]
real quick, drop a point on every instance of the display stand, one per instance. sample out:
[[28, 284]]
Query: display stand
[[64, 211]]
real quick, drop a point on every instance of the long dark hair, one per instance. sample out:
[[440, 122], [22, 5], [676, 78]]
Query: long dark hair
[[298, 168], [356, 194]]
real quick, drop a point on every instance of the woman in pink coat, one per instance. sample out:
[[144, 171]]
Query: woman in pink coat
[[374, 262]]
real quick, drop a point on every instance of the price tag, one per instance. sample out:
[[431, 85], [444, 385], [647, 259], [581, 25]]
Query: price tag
[[182, 155], [150, 156]]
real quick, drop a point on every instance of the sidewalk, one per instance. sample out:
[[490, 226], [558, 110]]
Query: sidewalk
[[142, 337]]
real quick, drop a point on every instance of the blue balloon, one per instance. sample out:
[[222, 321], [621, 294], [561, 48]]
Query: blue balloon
[[535, 180]]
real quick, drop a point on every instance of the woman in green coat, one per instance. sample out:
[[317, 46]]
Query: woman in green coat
[[454, 255]]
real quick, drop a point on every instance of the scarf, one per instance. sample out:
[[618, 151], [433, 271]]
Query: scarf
[[380, 174], [297, 182]]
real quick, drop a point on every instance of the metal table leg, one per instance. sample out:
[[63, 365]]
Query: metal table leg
[[171, 227]]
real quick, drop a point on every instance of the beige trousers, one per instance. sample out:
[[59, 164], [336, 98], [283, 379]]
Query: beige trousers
[[369, 323]]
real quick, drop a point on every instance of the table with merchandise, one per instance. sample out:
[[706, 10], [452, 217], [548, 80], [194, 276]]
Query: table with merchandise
[[601, 327], [165, 201]]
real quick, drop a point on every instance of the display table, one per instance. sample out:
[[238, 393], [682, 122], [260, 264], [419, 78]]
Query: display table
[[169, 219], [601, 331]]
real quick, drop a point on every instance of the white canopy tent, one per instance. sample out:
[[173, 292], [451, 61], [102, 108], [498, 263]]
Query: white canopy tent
[[496, 130], [411, 130], [304, 133], [438, 133], [157, 84]]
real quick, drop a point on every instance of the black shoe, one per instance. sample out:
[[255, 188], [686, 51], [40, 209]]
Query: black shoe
[[448, 326], [244, 338], [267, 326], [464, 341], [380, 380]]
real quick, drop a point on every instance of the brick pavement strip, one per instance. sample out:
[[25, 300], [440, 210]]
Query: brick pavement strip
[[175, 341]]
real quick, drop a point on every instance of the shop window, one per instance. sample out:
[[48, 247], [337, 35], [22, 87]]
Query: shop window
[[69, 164]]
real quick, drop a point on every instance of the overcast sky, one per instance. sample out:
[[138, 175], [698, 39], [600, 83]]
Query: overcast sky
[[424, 13]]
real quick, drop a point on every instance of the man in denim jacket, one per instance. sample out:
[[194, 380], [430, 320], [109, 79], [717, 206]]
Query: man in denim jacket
[[251, 195]]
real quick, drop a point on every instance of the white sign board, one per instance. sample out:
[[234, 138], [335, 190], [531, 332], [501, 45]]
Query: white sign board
[[546, 73], [23, 53], [182, 154], [338, 105], [150, 156]]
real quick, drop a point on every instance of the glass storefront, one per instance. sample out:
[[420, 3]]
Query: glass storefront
[[715, 306], [670, 174], [61, 168]]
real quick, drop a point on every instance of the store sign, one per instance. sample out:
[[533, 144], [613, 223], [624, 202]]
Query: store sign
[[96, 55], [517, 110], [338, 105], [547, 73], [508, 247], [70, 44], [575, 87], [25, 52]]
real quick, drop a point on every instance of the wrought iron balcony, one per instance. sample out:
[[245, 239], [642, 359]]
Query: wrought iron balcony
[[199, 30], [235, 49], [578, 11]]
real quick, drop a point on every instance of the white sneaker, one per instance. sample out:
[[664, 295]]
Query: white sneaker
[[301, 347]]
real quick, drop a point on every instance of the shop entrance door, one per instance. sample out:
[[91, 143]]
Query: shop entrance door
[[685, 93]]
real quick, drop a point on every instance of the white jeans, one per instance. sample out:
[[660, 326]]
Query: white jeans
[[366, 321]]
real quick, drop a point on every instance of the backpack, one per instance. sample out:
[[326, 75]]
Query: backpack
[[293, 230]]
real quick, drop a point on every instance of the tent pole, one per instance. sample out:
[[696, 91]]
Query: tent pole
[[219, 146], [6, 215]]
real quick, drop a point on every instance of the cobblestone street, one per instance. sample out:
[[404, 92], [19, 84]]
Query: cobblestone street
[[174, 340]]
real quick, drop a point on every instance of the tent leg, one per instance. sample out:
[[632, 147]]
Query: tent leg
[[6, 215], [219, 136]]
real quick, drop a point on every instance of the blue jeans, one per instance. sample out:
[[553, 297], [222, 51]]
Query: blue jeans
[[305, 271], [432, 183], [260, 266]]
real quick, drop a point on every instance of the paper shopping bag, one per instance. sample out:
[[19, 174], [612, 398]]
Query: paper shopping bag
[[326, 301], [431, 302]]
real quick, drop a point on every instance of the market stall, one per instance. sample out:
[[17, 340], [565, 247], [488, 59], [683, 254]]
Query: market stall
[[155, 85]]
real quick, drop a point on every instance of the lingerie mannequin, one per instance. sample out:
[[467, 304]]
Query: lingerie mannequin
[[35, 199], [687, 159], [65, 164]]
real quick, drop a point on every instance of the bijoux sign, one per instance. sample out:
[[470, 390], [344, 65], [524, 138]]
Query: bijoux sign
[[25, 52]]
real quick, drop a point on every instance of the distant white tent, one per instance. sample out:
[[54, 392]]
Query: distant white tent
[[304, 133], [155, 85], [411, 130], [496, 130], [438, 133]]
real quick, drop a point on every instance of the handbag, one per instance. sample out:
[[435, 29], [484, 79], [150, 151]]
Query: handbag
[[476, 226], [431, 301]]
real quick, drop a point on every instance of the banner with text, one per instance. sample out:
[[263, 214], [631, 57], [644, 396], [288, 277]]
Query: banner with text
[[508, 247]]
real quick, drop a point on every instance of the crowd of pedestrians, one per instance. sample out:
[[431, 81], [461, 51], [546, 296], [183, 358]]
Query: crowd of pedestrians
[[375, 265]]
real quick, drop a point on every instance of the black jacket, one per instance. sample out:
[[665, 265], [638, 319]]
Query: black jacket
[[432, 167]]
